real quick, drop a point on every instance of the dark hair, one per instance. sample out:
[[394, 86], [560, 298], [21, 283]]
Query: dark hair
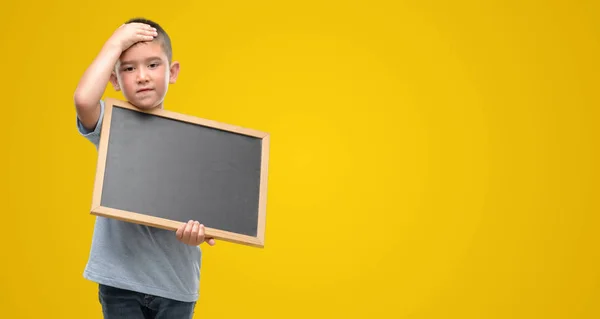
[[163, 37]]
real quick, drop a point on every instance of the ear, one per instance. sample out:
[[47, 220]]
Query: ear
[[115, 81], [174, 70]]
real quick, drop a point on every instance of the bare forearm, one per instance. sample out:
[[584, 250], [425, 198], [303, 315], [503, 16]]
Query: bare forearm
[[93, 83]]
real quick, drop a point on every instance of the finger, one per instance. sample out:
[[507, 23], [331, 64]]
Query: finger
[[144, 27], [146, 33], [148, 27], [141, 25], [179, 232], [201, 233], [194, 235], [187, 232], [146, 36], [211, 241]]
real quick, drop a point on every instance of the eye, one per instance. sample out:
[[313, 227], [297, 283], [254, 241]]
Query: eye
[[128, 69], [153, 65]]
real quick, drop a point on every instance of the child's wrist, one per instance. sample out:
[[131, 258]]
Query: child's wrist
[[114, 46]]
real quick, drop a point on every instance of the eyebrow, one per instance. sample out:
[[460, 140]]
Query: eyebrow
[[148, 59]]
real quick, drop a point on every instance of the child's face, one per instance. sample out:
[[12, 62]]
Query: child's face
[[143, 74]]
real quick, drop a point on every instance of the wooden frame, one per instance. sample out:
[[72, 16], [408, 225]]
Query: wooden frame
[[99, 210]]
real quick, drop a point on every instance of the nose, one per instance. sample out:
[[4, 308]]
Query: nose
[[142, 75]]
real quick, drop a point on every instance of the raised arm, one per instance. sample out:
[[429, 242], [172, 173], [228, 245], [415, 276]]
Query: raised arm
[[93, 82]]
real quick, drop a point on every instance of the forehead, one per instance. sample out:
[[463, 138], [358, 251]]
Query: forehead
[[142, 51]]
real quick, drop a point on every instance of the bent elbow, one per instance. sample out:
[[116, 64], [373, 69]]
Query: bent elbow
[[80, 101]]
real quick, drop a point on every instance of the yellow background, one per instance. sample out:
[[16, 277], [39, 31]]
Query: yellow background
[[430, 159]]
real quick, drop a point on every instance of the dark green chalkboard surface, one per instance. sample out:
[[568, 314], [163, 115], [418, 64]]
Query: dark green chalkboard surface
[[160, 168]]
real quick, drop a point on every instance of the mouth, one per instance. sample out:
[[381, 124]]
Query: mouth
[[143, 90]]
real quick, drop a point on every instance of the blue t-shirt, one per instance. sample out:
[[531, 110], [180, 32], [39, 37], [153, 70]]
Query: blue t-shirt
[[140, 258]]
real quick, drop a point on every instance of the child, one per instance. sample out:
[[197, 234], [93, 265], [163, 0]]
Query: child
[[141, 271]]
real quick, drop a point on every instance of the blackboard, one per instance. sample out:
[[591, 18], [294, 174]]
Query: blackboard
[[161, 168]]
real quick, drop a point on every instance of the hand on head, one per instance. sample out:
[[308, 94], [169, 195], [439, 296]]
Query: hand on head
[[132, 33]]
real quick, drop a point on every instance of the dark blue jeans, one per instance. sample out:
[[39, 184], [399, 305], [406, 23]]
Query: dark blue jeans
[[119, 303]]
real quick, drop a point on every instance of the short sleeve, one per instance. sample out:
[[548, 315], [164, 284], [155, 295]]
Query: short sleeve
[[92, 135]]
